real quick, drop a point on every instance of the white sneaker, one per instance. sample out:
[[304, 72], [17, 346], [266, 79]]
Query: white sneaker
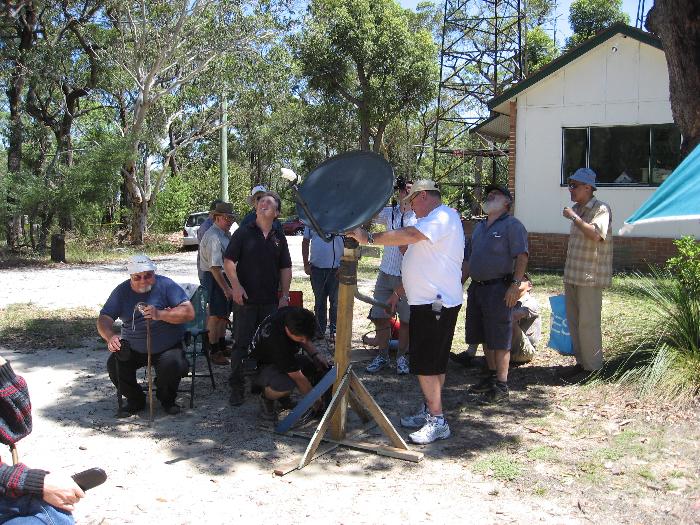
[[377, 364], [417, 420], [431, 431], [402, 365]]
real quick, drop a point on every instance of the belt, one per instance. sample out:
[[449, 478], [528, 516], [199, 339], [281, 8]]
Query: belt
[[504, 279]]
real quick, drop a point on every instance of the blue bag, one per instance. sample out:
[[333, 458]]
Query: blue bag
[[559, 336]]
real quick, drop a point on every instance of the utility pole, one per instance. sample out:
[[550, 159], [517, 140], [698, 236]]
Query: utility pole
[[223, 156]]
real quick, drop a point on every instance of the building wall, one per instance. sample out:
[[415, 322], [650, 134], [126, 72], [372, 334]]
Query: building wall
[[548, 250], [621, 82]]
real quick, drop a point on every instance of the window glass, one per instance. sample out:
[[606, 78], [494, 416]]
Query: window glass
[[665, 151], [620, 155], [575, 146]]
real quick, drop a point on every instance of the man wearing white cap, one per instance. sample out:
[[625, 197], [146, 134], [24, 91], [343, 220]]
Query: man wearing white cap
[[157, 298], [431, 270], [255, 194]]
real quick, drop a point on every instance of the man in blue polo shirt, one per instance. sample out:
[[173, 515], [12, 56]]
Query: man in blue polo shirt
[[159, 299], [321, 261], [496, 261]]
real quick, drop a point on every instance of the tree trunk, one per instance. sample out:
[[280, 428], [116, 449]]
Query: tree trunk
[[365, 130], [677, 24], [24, 23]]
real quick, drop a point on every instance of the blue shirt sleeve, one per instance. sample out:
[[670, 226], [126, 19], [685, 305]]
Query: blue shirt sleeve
[[517, 239], [113, 306], [175, 295]]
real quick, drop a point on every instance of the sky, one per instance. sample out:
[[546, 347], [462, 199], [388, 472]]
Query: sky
[[563, 29]]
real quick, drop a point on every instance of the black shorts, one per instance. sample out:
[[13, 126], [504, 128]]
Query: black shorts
[[489, 320], [430, 339], [219, 305], [272, 376]]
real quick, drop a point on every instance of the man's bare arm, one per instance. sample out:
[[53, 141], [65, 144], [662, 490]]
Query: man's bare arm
[[407, 235]]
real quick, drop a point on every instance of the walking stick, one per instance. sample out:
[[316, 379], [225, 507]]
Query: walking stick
[[120, 408], [150, 374], [15, 455]]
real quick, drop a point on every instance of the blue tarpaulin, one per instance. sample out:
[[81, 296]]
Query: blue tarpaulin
[[676, 199]]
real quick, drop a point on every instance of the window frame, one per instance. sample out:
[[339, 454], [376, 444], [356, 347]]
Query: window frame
[[650, 160]]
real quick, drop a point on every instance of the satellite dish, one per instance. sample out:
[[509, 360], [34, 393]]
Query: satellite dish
[[345, 191]]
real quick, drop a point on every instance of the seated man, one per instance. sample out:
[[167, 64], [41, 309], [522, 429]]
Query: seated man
[[29, 495], [527, 325], [146, 296], [281, 367]]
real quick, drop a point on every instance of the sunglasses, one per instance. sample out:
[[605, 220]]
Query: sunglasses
[[139, 277], [573, 185]]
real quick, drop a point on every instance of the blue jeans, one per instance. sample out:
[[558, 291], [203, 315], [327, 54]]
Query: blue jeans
[[324, 282], [31, 510]]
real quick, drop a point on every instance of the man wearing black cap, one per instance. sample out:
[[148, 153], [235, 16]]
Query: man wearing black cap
[[496, 258]]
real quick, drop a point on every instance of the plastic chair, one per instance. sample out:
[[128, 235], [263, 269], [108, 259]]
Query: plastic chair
[[196, 341]]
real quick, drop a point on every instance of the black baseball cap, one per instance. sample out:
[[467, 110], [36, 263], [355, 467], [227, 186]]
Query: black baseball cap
[[505, 191]]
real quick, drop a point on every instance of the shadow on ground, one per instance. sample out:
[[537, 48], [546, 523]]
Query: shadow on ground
[[221, 438]]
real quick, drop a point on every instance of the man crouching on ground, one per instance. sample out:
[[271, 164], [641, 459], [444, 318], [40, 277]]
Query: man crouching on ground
[[146, 296], [281, 367]]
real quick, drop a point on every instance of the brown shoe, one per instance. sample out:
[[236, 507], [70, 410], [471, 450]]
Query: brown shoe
[[218, 358]]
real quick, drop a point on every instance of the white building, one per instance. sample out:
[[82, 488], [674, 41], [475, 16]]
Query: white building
[[605, 105]]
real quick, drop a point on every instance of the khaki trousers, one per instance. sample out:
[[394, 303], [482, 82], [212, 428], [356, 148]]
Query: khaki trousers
[[583, 309]]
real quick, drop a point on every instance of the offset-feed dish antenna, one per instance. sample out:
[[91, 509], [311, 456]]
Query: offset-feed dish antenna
[[344, 192]]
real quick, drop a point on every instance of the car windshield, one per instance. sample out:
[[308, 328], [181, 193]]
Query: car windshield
[[196, 219]]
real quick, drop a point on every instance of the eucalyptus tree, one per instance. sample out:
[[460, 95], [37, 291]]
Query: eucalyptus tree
[[160, 49], [367, 53], [677, 23]]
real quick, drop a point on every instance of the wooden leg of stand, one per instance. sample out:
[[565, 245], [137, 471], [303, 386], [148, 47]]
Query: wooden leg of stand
[[343, 336], [339, 399], [377, 413], [356, 405]]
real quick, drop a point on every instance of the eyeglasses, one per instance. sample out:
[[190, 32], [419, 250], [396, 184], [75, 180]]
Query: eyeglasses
[[413, 197], [142, 277], [573, 185]]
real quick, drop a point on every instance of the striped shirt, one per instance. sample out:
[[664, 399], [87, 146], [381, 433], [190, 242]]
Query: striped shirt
[[393, 219], [589, 263]]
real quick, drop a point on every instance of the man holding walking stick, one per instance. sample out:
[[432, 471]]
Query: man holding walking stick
[[146, 303]]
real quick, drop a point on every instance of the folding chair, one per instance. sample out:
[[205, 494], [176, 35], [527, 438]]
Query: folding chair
[[196, 342]]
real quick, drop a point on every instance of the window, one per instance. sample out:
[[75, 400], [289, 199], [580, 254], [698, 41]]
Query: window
[[622, 155]]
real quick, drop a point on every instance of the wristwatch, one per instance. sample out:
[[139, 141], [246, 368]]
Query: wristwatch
[[370, 238], [516, 282], [285, 297]]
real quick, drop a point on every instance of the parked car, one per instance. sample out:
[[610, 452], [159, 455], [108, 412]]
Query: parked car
[[293, 226], [192, 224]]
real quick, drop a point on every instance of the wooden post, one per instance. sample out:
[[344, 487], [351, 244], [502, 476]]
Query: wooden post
[[58, 248], [343, 336]]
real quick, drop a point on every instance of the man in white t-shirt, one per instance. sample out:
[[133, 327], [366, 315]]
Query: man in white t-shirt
[[388, 280], [431, 272]]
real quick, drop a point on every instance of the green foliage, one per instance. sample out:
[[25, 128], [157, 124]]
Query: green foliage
[[587, 17], [685, 266], [667, 365], [540, 49], [372, 54]]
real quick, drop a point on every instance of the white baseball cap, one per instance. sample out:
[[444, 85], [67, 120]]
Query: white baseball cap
[[254, 191], [140, 263]]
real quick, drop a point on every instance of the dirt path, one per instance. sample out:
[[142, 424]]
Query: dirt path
[[213, 464]]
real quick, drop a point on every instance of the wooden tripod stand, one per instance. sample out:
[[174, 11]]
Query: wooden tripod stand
[[348, 389]]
